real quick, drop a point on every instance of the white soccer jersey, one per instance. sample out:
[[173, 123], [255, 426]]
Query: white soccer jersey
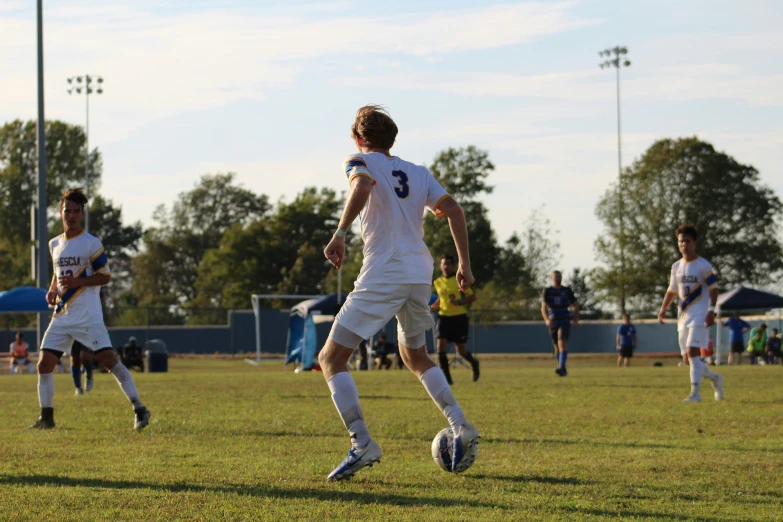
[[392, 221], [80, 256], [692, 281]]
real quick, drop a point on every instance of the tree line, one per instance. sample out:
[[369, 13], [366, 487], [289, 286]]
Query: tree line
[[219, 242]]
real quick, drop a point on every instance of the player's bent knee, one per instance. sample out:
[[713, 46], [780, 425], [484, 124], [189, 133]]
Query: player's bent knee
[[106, 357], [414, 341], [344, 337]]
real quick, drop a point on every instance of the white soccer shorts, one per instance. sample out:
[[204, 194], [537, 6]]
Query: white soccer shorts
[[693, 337], [60, 337], [368, 308]]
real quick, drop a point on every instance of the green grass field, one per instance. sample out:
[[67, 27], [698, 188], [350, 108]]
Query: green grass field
[[229, 441]]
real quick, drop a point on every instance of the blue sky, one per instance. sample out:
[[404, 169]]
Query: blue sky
[[268, 90]]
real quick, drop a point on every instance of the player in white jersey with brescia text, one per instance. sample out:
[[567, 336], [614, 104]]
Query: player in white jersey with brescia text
[[391, 195], [694, 281], [80, 269]]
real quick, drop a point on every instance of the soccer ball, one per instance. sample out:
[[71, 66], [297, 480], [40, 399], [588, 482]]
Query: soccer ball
[[442, 452]]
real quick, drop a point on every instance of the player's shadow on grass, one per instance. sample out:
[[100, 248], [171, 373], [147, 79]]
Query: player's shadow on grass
[[330, 495], [567, 481], [363, 397], [630, 444], [628, 513]]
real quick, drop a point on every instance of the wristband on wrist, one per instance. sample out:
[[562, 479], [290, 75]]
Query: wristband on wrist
[[710, 308], [341, 232]]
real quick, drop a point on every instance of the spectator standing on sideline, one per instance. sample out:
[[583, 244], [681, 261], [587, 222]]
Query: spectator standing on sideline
[[131, 355], [737, 328], [626, 341]]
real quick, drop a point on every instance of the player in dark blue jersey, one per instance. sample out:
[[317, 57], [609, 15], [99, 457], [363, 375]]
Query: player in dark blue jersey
[[557, 303], [626, 341]]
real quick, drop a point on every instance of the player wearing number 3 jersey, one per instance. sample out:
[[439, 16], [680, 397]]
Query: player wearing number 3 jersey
[[390, 195], [694, 281], [80, 269]]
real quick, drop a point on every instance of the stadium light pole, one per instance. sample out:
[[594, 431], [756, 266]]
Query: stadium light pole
[[615, 57], [78, 84], [40, 227]]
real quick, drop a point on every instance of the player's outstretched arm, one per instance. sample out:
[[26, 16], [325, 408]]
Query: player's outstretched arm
[[459, 232], [357, 199]]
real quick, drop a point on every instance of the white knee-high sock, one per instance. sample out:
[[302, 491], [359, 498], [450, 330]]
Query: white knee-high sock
[[435, 383], [46, 390], [128, 387], [696, 372], [706, 372], [345, 396]]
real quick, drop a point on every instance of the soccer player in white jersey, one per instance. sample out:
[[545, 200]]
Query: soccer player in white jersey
[[694, 281], [80, 269], [390, 195]]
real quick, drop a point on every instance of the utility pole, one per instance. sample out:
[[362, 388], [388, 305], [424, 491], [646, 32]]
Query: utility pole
[[615, 57]]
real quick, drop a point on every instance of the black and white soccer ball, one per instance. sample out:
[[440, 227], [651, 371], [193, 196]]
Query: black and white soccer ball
[[442, 452]]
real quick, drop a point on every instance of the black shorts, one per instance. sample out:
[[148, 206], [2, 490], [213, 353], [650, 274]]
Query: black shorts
[[453, 328], [737, 347], [626, 351], [562, 332]]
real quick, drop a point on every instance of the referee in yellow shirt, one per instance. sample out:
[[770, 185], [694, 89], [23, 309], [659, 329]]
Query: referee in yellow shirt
[[453, 321]]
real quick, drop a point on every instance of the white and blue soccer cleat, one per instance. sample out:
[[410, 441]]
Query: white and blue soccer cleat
[[464, 447], [356, 460]]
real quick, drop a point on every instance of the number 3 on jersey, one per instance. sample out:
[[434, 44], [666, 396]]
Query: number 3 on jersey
[[402, 190]]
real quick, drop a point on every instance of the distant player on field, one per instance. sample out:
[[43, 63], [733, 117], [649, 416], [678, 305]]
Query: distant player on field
[[80, 267], [557, 301], [81, 356], [390, 195], [626, 341], [453, 321], [693, 279]]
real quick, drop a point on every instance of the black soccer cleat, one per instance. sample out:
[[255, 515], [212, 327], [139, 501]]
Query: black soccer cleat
[[476, 372], [45, 421], [142, 417]]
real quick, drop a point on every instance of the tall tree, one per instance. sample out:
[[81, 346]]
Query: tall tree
[[524, 265], [166, 272], [463, 173], [686, 181], [279, 253], [65, 160]]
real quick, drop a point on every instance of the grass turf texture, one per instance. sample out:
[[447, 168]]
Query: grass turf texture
[[229, 441]]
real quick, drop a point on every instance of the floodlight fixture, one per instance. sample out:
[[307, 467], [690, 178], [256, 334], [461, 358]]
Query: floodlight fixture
[[87, 79]]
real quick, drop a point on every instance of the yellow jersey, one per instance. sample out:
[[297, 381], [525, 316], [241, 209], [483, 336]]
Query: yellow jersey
[[446, 288]]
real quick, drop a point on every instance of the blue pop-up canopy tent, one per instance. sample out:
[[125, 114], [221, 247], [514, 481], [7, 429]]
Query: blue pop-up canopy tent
[[24, 299], [302, 340], [742, 298]]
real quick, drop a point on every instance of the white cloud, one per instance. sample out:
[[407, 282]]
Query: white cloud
[[158, 65], [681, 83]]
